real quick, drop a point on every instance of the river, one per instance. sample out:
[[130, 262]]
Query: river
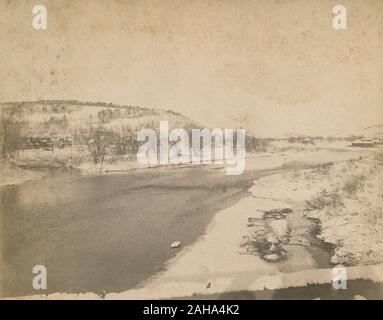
[[107, 233]]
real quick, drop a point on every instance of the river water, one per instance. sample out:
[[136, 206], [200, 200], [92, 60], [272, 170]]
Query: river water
[[106, 233]]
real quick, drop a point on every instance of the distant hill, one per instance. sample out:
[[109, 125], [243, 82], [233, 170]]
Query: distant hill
[[373, 131], [65, 117]]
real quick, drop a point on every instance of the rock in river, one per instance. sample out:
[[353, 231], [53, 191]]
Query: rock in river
[[175, 245]]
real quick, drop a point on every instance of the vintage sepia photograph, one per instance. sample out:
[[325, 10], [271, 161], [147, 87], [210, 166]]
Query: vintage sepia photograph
[[191, 150]]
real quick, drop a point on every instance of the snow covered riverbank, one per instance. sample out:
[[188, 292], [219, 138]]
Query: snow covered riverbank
[[221, 261]]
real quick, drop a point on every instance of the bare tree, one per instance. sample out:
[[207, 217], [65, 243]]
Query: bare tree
[[10, 131], [125, 141], [97, 140]]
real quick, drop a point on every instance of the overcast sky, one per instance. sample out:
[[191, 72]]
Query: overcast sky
[[275, 67]]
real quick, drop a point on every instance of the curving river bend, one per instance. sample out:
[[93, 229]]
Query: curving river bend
[[107, 233]]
